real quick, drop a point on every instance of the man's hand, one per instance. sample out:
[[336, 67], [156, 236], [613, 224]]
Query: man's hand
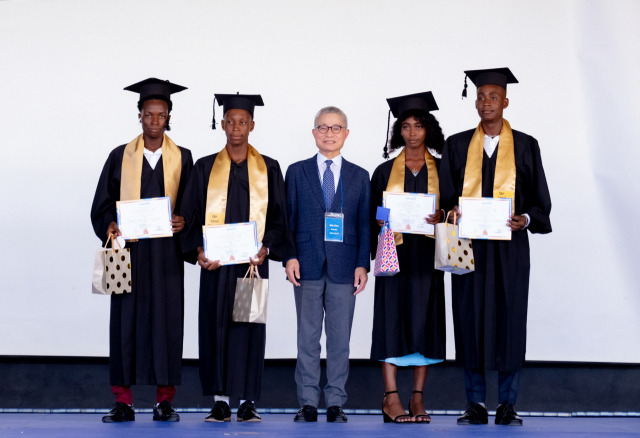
[[205, 263], [292, 268], [259, 258], [360, 280], [456, 212], [177, 223], [113, 229], [517, 223]]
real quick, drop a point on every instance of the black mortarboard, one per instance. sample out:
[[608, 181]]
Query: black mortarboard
[[494, 76], [153, 88], [398, 105], [246, 102], [422, 101]]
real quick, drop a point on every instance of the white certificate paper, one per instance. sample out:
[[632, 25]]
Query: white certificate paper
[[408, 212], [485, 218], [145, 218], [230, 243]]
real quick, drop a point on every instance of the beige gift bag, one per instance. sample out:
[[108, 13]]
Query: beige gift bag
[[250, 302], [112, 270], [453, 254]]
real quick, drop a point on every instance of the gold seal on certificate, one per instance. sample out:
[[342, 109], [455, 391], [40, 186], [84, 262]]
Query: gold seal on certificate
[[408, 212], [485, 218], [231, 244], [145, 218]]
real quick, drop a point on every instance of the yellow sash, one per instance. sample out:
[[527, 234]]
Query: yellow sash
[[131, 172], [219, 186], [504, 183], [396, 181]]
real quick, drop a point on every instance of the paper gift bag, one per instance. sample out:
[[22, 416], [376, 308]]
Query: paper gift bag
[[386, 263], [111, 270], [453, 254], [250, 302]]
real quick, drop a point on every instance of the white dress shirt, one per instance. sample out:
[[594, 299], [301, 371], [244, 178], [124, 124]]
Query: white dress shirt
[[153, 157], [336, 165]]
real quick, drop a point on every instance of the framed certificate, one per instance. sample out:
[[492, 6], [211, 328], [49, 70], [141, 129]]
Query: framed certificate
[[485, 218], [408, 211], [230, 243], [145, 218]]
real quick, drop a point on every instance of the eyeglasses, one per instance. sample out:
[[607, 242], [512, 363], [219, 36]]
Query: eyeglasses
[[323, 129]]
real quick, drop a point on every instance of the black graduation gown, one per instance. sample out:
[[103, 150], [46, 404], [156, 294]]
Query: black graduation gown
[[490, 305], [232, 354], [146, 326], [408, 312]]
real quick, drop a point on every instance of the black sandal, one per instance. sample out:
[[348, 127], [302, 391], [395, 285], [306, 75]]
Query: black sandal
[[426, 416], [386, 417]]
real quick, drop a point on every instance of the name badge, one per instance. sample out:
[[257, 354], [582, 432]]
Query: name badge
[[333, 227]]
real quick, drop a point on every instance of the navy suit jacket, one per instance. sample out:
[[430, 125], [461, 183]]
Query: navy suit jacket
[[306, 209]]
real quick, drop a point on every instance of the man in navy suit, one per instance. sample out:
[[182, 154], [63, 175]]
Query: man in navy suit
[[328, 206]]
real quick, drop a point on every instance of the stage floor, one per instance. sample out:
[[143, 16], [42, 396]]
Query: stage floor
[[281, 425]]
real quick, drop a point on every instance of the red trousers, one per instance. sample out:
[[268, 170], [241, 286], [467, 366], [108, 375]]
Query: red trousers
[[163, 392]]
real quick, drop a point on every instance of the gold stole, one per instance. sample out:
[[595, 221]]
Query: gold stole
[[219, 186], [131, 173], [396, 181], [504, 183]]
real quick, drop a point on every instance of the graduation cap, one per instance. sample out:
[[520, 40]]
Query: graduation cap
[[494, 76], [421, 101], [153, 88], [247, 102], [399, 105]]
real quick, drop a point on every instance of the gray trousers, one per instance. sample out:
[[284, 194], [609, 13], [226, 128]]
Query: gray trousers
[[319, 300]]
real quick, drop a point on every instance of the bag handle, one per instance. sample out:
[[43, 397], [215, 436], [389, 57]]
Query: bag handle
[[455, 217], [106, 244], [252, 272]]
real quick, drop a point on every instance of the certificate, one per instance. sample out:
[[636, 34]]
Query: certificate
[[145, 218], [230, 243], [408, 212], [485, 218]]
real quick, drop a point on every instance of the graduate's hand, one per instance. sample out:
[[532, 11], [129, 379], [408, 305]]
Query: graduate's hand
[[292, 268], [517, 222], [360, 280], [259, 258], [205, 263], [113, 229], [456, 211], [177, 223], [435, 218]]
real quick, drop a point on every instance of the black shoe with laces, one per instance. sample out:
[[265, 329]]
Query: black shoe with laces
[[219, 413], [247, 412], [120, 412], [307, 414], [507, 416], [475, 414], [335, 414], [165, 412]]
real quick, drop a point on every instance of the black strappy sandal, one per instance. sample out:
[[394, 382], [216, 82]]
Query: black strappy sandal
[[426, 416], [387, 418]]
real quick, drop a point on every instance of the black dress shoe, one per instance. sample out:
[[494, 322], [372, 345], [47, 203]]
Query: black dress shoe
[[219, 413], [165, 412], [247, 412], [335, 414], [308, 414], [120, 412], [507, 416], [475, 414]]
